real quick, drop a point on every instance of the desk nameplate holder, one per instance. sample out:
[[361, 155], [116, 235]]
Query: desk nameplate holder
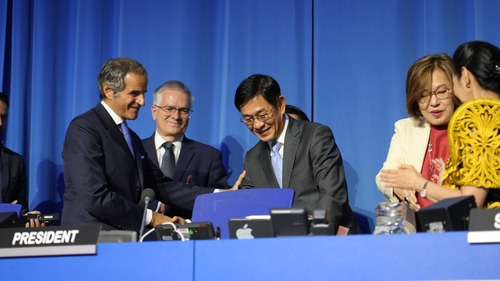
[[49, 241]]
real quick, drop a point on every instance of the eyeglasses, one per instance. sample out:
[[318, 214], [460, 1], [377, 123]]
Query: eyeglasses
[[170, 110], [248, 120], [441, 94]]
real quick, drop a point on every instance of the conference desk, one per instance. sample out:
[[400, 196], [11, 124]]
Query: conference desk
[[423, 256]]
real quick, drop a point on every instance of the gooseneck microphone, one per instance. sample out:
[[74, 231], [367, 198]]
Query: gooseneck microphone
[[147, 196]]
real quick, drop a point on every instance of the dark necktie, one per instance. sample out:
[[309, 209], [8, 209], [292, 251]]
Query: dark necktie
[[126, 134], [168, 160], [277, 162]]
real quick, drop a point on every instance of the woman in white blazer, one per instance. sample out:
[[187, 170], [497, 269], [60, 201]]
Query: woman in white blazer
[[421, 139]]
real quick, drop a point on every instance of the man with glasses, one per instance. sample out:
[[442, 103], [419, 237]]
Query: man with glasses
[[193, 162], [291, 153]]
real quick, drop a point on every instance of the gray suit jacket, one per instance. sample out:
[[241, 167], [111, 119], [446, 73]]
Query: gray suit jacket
[[312, 166]]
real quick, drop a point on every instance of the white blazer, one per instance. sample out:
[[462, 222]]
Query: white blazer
[[408, 146]]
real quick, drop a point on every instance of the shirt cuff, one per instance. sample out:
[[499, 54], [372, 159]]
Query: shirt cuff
[[158, 207], [149, 217]]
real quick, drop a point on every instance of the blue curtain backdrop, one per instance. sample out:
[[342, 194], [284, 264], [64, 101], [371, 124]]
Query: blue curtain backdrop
[[343, 62]]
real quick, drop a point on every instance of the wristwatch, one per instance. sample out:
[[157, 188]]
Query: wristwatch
[[423, 192]]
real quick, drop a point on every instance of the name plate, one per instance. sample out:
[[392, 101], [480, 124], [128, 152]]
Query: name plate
[[484, 226], [49, 241]]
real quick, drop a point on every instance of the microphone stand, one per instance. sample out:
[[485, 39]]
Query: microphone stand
[[146, 203]]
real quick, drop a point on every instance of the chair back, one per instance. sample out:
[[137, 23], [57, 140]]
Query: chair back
[[220, 207], [7, 208]]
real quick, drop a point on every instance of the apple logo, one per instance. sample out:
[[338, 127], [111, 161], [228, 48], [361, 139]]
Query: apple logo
[[244, 233]]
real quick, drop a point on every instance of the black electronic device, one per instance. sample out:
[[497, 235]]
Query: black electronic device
[[321, 224], [447, 215], [289, 221], [188, 231], [48, 219]]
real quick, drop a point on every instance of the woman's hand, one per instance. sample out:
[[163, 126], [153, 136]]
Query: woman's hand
[[407, 197]]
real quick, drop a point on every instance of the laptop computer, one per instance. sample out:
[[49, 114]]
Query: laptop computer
[[244, 228]]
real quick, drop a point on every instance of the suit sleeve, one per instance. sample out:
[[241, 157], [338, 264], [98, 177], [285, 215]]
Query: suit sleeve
[[247, 182], [329, 174], [217, 173], [22, 197], [174, 193]]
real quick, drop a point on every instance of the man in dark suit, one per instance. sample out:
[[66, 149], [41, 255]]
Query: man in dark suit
[[195, 162], [307, 157], [105, 165], [12, 171]]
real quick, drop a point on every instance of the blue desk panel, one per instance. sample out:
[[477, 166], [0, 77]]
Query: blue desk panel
[[114, 261], [423, 256]]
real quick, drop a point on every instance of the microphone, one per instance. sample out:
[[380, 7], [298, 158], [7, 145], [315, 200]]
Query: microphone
[[147, 196]]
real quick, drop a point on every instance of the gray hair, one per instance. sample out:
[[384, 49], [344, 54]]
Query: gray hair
[[173, 85], [113, 72]]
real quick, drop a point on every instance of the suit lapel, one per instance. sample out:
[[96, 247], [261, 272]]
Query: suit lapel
[[150, 148], [185, 157], [118, 138], [139, 156], [113, 129], [292, 138], [265, 163]]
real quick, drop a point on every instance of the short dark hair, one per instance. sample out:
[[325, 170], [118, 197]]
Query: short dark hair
[[4, 98], [257, 84], [482, 59], [113, 72], [419, 78], [292, 109]]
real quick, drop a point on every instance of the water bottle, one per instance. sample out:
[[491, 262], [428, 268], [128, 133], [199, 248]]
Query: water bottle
[[390, 218]]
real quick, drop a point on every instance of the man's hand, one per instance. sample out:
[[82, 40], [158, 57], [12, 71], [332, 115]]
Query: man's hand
[[160, 219], [33, 222]]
